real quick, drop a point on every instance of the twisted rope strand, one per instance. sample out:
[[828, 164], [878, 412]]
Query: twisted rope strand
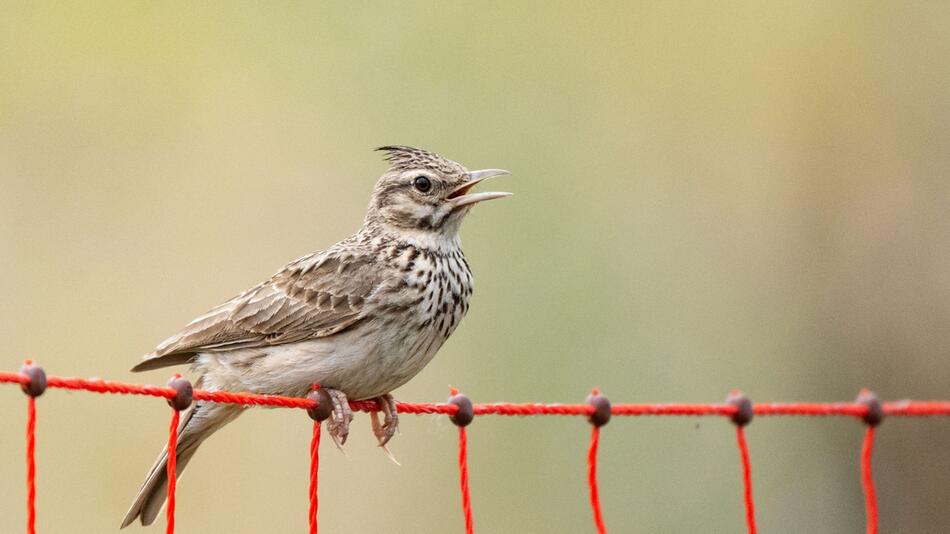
[[867, 481], [746, 479], [909, 408], [7, 377], [171, 472], [463, 482], [592, 480], [314, 468], [905, 408], [31, 466]]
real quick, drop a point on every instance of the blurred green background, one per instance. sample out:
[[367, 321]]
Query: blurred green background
[[708, 196]]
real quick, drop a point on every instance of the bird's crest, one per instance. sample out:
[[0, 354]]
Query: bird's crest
[[406, 157]]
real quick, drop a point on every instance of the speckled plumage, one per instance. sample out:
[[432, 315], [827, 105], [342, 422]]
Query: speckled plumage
[[361, 317]]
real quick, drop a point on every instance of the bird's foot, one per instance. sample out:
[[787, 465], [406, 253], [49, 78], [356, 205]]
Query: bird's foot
[[338, 426], [387, 429]]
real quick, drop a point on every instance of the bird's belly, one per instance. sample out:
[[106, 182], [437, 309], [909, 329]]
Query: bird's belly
[[363, 364]]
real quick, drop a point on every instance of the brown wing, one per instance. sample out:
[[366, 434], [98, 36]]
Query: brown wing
[[315, 296]]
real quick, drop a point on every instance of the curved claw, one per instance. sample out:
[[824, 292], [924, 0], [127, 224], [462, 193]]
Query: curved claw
[[338, 426], [385, 431]]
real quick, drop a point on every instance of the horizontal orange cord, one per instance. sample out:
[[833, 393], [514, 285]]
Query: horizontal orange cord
[[905, 408]]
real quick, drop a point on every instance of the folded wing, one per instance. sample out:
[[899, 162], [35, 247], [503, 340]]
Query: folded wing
[[315, 296]]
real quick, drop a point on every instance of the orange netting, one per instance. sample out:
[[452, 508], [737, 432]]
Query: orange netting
[[598, 411]]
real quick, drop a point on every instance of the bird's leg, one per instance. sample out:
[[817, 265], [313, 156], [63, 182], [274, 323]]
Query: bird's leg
[[385, 431], [339, 423]]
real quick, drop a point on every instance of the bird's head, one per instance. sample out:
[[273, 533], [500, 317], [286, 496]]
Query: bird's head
[[424, 193]]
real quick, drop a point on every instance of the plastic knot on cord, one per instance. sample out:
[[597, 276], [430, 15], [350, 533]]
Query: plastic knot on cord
[[324, 405], [37, 376], [601, 414], [744, 412], [465, 413], [184, 393], [875, 413]]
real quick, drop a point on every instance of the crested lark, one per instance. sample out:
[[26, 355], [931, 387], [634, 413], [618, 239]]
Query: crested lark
[[360, 318]]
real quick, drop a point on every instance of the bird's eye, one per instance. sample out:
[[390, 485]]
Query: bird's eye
[[422, 184]]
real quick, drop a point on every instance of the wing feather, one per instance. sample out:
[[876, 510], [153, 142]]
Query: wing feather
[[315, 296]]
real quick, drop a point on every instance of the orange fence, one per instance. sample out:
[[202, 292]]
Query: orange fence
[[597, 409]]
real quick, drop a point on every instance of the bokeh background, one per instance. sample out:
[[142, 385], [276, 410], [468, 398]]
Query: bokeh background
[[708, 196]]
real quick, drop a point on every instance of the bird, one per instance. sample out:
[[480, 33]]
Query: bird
[[360, 318]]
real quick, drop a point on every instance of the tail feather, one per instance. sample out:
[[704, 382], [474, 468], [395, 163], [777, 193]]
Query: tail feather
[[157, 362], [196, 425]]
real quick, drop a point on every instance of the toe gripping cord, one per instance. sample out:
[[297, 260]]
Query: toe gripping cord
[[598, 411]]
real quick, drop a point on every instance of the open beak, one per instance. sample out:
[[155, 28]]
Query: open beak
[[460, 196]]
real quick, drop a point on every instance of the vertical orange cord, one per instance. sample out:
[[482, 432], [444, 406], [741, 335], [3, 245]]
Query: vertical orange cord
[[463, 473], [867, 480], [746, 479], [31, 465], [171, 472], [314, 467], [592, 479]]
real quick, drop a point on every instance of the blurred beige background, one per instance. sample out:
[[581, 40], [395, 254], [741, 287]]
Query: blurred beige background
[[748, 195]]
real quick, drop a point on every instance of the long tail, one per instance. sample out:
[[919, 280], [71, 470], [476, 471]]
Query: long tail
[[202, 420]]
